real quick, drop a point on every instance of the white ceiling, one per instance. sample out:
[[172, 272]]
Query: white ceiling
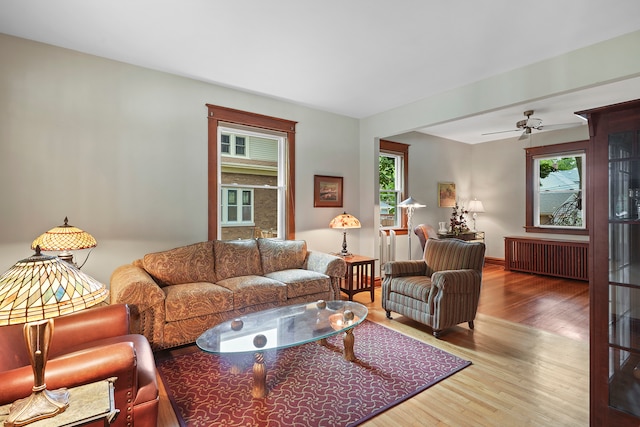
[[351, 57]]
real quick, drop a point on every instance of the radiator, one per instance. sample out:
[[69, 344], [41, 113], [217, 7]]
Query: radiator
[[561, 258], [387, 247]]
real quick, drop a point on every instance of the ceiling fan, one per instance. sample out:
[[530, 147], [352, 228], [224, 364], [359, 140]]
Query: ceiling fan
[[527, 125]]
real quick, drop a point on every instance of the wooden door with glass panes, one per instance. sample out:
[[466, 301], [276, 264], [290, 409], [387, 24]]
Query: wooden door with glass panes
[[614, 229]]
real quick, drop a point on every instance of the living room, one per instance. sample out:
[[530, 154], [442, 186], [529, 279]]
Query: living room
[[121, 149]]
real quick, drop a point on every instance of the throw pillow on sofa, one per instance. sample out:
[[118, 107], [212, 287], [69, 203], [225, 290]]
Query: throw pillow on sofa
[[186, 264], [279, 255], [235, 258]]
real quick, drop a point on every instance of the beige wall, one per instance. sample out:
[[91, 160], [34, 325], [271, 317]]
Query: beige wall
[[495, 170], [122, 151]]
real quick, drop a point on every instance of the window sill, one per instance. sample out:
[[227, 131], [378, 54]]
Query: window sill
[[578, 231]]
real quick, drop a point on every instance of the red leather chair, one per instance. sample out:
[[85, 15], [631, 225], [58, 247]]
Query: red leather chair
[[88, 346]]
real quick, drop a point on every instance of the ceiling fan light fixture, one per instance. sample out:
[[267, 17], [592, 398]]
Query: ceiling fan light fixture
[[533, 123]]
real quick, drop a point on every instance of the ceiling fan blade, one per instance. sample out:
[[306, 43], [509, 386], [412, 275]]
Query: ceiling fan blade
[[561, 126], [525, 135], [502, 131]]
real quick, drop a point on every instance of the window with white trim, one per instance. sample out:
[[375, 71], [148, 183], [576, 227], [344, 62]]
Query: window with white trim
[[393, 164], [233, 145], [252, 185], [237, 206], [556, 177]]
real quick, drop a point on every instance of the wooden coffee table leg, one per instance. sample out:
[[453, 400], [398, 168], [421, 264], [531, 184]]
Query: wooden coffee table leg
[[259, 389], [348, 345]]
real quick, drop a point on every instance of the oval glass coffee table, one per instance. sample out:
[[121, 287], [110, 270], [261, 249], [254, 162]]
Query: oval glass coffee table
[[283, 327]]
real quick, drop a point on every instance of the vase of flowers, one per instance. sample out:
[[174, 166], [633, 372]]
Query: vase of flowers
[[458, 220]]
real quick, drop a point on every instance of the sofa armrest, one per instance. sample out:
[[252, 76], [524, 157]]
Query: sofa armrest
[[83, 367], [89, 325], [133, 286], [321, 262], [405, 268]]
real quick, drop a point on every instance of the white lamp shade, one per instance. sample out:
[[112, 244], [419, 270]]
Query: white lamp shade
[[476, 206]]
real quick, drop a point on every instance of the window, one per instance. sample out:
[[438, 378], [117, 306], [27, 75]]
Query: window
[[233, 145], [251, 182], [237, 206], [556, 188], [393, 172]]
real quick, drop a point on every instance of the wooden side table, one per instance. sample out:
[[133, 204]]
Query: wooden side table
[[360, 276], [89, 404]]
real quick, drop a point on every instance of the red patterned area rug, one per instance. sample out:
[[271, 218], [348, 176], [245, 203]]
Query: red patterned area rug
[[309, 385]]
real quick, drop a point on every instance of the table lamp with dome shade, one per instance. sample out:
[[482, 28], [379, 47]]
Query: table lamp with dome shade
[[33, 292], [344, 221]]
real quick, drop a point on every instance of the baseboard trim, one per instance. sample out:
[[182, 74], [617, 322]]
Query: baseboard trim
[[494, 261]]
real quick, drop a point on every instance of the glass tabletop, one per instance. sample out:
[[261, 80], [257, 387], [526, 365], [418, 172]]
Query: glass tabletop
[[282, 327]]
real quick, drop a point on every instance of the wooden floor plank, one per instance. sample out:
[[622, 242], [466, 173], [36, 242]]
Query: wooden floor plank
[[529, 353]]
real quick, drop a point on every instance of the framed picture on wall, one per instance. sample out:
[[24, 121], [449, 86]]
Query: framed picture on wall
[[327, 191], [446, 194]]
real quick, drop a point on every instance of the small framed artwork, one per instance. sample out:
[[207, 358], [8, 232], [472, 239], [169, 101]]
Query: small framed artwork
[[327, 191], [446, 194]]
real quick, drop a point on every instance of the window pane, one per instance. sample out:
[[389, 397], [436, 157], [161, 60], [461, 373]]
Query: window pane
[[240, 146], [232, 198], [225, 144], [255, 180]]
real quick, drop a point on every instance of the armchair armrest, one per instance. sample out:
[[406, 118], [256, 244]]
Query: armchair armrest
[[457, 281], [83, 367], [89, 325], [331, 265], [405, 268]]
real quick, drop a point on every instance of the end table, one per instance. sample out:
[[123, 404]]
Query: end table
[[89, 404], [360, 276]]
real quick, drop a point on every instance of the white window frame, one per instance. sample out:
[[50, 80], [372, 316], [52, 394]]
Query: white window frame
[[398, 185], [282, 173]]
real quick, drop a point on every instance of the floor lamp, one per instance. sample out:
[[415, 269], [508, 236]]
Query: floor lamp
[[410, 204]]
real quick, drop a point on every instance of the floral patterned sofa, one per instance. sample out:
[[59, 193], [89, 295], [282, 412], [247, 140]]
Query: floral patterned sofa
[[179, 293]]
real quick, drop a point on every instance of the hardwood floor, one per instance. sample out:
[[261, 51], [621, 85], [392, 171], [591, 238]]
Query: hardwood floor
[[530, 355]]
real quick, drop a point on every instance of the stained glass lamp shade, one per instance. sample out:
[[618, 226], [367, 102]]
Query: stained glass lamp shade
[[344, 221], [65, 238], [33, 292]]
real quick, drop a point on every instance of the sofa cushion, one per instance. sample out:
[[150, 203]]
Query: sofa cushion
[[302, 282], [253, 290], [190, 300], [186, 264], [279, 255], [235, 258]]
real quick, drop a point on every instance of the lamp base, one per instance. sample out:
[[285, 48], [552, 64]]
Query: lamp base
[[40, 405], [344, 252]]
